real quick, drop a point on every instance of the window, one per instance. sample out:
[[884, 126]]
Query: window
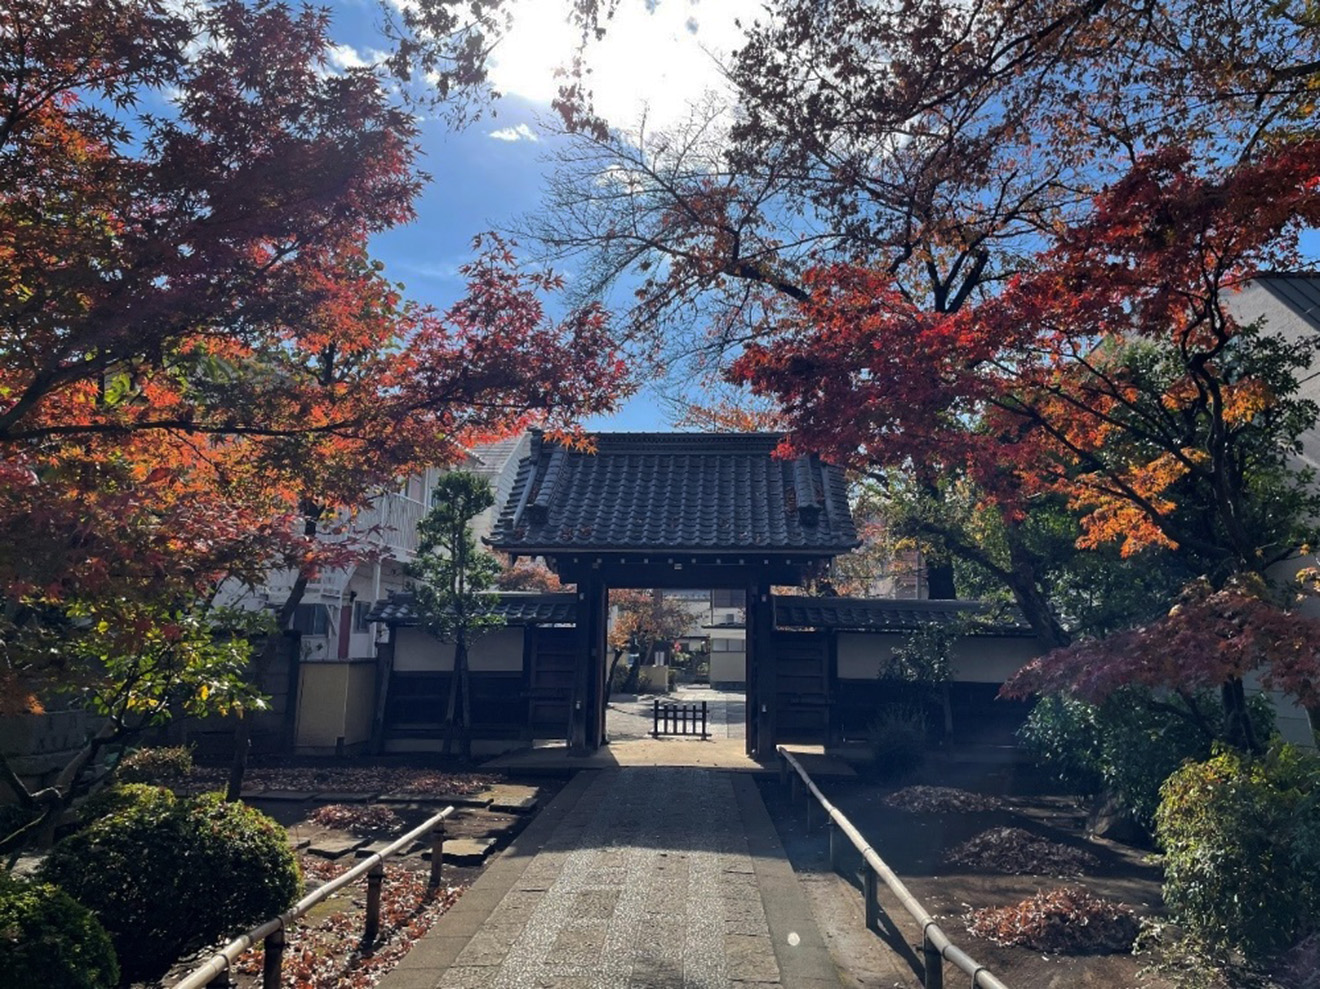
[[728, 598], [311, 619], [728, 645], [360, 611]]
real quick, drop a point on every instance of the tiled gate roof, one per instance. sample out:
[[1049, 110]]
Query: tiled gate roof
[[675, 491]]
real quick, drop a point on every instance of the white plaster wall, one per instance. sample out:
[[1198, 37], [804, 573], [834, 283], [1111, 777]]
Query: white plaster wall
[[499, 651], [1292, 722], [980, 659]]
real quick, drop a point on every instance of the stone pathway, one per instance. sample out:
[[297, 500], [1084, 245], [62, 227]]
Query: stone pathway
[[665, 878], [726, 712]]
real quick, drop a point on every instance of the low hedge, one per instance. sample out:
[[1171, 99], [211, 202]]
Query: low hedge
[[48, 939], [167, 876], [1242, 850]]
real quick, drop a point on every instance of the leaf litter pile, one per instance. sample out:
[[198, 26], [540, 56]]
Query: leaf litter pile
[[358, 819], [1019, 852], [940, 800], [1069, 920], [324, 951], [352, 779]]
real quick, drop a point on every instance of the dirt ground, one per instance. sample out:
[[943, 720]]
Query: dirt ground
[[915, 844], [325, 951]]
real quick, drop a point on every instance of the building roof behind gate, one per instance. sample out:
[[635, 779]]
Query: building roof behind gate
[[709, 493], [887, 615], [514, 607]]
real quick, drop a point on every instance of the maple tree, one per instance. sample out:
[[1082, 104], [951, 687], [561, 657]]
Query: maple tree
[[937, 144], [1114, 375], [201, 366], [643, 621], [528, 575]]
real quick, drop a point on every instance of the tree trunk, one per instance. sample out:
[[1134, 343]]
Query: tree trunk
[[270, 650], [1024, 581], [939, 580], [465, 693], [609, 680], [1237, 717], [451, 708]]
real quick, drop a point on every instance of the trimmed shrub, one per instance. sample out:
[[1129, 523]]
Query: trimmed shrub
[[123, 797], [1127, 745], [167, 876], [160, 767], [48, 939], [1242, 850], [897, 738]]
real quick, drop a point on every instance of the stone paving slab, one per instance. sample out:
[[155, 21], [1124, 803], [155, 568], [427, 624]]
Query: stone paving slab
[[634, 878]]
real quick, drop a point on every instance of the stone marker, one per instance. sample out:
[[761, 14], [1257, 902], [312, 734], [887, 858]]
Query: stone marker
[[291, 796]]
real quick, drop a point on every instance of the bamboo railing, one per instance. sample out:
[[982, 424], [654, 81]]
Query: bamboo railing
[[272, 931], [936, 948]]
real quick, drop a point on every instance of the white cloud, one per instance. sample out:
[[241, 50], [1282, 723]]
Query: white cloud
[[520, 133], [347, 57], [660, 56]]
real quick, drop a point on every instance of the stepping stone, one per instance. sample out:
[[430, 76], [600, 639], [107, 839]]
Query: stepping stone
[[514, 805], [461, 799], [301, 843], [465, 851], [498, 829], [344, 797], [368, 850], [291, 796], [333, 848], [440, 799]]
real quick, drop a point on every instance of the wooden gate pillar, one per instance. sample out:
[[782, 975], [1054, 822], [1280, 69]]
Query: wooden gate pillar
[[586, 719], [760, 672]]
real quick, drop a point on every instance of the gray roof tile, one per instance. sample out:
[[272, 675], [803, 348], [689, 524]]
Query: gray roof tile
[[884, 615], [675, 491], [517, 609]]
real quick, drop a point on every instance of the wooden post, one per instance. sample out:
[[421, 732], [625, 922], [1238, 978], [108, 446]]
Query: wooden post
[[810, 803], [795, 786], [272, 964], [934, 964], [871, 897], [437, 853], [836, 846], [375, 879], [783, 770]]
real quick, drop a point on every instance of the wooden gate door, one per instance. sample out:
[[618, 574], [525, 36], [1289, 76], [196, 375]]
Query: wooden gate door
[[802, 687], [551, 667]]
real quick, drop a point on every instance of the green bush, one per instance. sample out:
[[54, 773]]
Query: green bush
[[1242, 850], [167, 876], [47, 939], [160, 767], [897, 738], [1129, 745]]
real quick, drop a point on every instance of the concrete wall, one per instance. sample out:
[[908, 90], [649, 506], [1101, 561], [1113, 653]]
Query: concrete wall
[[335, 701], [728, 667], [976, 659], [498, 651]]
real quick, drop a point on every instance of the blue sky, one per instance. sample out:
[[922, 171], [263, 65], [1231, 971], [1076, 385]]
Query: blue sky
[[657, 58]]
